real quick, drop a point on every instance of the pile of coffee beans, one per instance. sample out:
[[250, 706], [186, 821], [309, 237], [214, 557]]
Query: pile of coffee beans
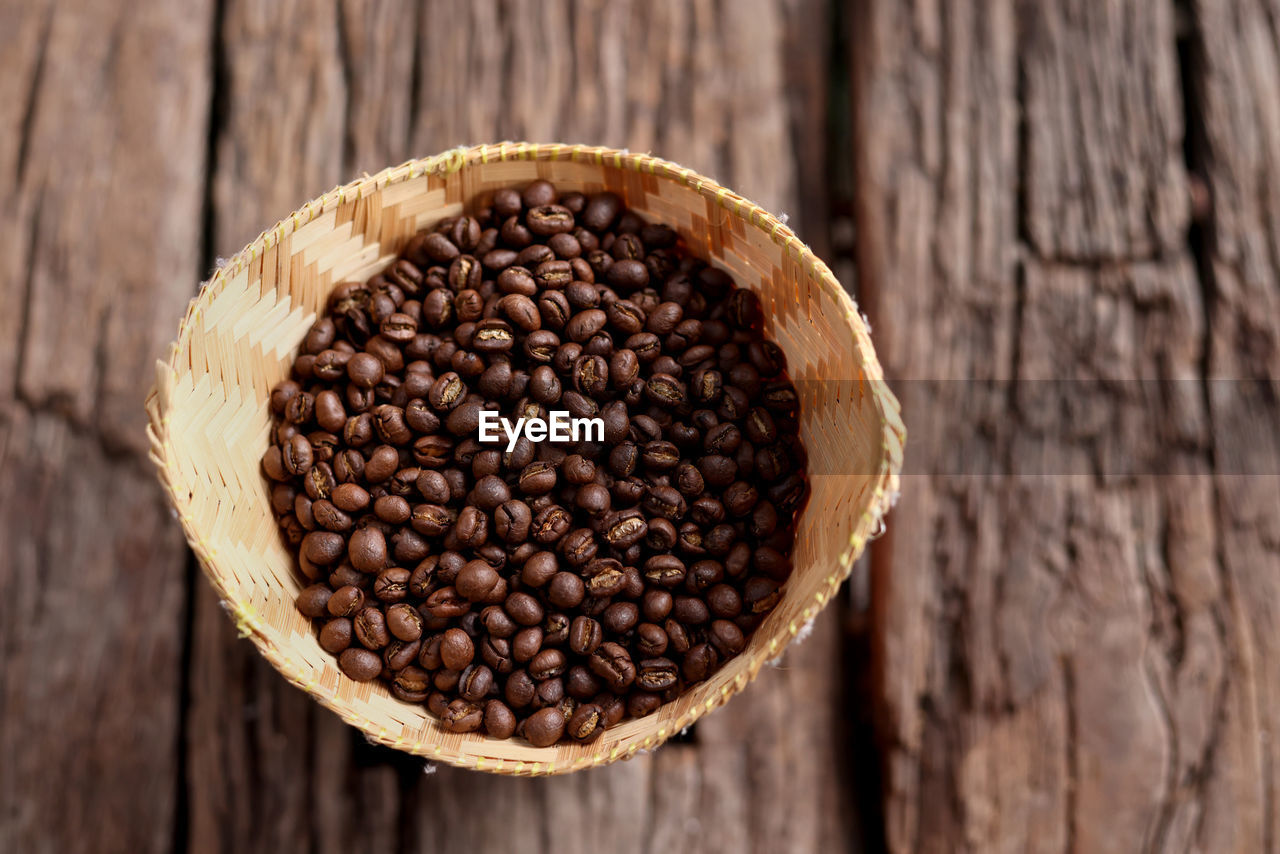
[[546, 589]]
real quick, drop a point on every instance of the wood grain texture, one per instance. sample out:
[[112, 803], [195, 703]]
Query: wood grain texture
[[1082, 662], [1070, 659], [704, 84], [1234, 52], [102, 169]]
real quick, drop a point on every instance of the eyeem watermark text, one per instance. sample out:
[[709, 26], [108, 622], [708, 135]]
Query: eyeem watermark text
[[559, 427]]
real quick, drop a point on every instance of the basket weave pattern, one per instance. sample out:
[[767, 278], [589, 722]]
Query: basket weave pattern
[[209, 421]]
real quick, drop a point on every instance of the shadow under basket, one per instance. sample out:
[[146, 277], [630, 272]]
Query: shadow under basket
[[210, 422]]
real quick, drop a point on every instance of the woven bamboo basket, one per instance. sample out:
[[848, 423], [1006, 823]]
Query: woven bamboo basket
[[209, 418]]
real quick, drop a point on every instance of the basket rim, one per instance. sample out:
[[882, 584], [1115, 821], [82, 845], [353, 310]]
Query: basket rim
[[869, 526]]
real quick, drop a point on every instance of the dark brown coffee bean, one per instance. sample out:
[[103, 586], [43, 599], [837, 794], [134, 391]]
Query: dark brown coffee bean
[[544, 727], [601, 211], [585, 635], [336, 635], [371, 628], [499, 720], [392, 585], [651, 640], [367, 550], [456, 649], [359, 664], [656, 605], [642, 703], [404, 622], [524, 609], [665, 390], [657, 674], [566, 590], [346, 601], [549, 524], [537, 478], [584, 324], [512, 521], [547, 664], [411, 684], [627, 274], [612, 663], [364, 370], [620, 617], [480, 582], [546, 220], [462, 716], [625, 529], [476, 683], [699, 662], [399, 654], [313, 601]]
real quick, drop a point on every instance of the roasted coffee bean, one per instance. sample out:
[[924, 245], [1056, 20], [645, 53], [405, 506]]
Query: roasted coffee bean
[[553, 275], [651, 640], [456, 649], [524, 609], [612, 663], [499, 720], [512, 520], [585, 635], [392, 585], [546, 220], [657, 674], [361, 665], [480, 582], [404, 622], [601, 211], [313, 601], [625, 529], [365, 370], [462, 716], [411, 684], [544, 727], [537, 478], [699, 662], [626, 274], [620, 617], [371, 628], [475, 683], [336, 635], [346, 601], [399, 654]]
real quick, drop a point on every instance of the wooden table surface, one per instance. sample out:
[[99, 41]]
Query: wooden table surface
[[1078, 658]]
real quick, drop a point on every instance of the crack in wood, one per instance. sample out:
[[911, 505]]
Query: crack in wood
[[27, 126]]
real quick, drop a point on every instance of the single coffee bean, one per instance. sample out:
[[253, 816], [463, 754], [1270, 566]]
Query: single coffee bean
[[544, 727], [499, 720], [612, 663], [404, 622], [456, 649], [371, 628], [346, 601], [361, 665], [586, 724], [462, 716], [336, 635], [524, 609]]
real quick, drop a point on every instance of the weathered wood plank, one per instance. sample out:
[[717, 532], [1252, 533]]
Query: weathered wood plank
[[1050, 650], [102, 169], [1234, 55], [705, 84]]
